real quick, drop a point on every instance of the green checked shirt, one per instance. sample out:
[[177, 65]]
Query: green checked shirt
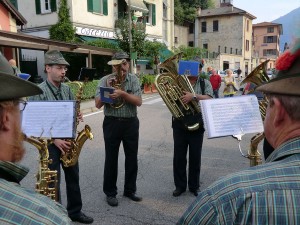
[[131, 85], [261, 195], [207, 87], [23, 206], [52, 93]]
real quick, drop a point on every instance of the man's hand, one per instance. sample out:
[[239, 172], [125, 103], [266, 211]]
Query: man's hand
[[117, 94], [187, 97], [63, 146]]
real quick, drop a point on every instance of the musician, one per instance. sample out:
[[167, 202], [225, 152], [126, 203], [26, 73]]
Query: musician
[[54, 90], [121, 125], [19, 205], [269, 193], [185, 140]]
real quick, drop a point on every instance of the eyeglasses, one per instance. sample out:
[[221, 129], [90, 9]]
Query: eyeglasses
[[22, 104], [61, 68]]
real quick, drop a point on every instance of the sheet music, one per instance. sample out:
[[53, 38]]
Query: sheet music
[[104, 92], [49, 119], [231, 116]]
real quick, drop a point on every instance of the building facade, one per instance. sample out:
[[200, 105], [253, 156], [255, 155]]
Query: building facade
[[266, 40]]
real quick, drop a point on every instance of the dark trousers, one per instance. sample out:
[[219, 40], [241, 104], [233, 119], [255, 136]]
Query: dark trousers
[[184, 141], [216, 93], [116, 131], [74, 202]]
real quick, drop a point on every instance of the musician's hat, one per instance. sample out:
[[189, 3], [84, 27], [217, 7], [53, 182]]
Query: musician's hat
[[54, 57], [118, 58], [287, 79], [13, 87]]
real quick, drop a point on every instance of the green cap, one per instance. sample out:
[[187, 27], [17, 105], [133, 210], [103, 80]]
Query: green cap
[[53, 57], [13, 87]]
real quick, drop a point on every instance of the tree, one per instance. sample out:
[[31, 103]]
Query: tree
[[138, 36], [191, 53], [63, 30]]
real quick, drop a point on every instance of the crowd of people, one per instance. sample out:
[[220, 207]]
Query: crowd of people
[[265, 194]]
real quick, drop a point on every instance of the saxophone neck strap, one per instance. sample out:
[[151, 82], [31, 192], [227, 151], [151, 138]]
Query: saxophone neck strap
[[53, 93]]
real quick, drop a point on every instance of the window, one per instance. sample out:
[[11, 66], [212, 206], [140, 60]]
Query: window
[[15, 3], [247, 25], [269, 52], [219, 48], [165, 11], [230, 50], [176, 40], [225, 49], [45, 6], [270, 39], [205, 46], [191, 28], [191, 44], [97, 6], [203, 27], [215, 25], [247, 45], [150, 17], [270, 29]]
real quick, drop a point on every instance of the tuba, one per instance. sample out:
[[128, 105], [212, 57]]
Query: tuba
[[46, 179], [258, 76], [170, 85], [70, 158], [115, 80]]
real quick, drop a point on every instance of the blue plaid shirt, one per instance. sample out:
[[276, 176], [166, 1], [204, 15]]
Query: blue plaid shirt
[[265, 194], [23, 206]]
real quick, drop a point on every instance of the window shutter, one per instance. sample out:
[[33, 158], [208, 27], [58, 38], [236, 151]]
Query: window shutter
[[105, 9], [153, 15], [53, 5], [15, 3], [90, 5], [38, 6]]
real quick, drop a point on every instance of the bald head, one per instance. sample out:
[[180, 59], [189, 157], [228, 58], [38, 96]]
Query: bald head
[[12, 62]]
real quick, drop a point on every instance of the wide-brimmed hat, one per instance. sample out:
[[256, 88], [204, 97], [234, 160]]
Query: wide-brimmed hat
[[287, 80], [13, 87], [53, 57]]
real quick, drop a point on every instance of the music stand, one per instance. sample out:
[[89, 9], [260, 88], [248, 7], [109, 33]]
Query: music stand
[[87, 74]]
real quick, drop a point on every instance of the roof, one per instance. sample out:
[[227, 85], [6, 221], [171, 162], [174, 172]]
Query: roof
[[20, 20], [264, 24], [224, 11], [19, 40]]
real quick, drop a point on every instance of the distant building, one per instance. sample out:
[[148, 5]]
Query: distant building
[[266, 39]]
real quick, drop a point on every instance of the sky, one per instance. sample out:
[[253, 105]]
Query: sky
[[267, 10]]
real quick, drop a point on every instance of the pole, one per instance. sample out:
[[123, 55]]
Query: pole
[[130, 37]]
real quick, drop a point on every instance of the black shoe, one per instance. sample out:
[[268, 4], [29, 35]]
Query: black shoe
[[195, 192], [112, 200], [133, 197], [177, 192], [82, 218]]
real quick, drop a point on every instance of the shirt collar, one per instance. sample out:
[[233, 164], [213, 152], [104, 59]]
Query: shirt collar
[[15, 170], [288, 148]]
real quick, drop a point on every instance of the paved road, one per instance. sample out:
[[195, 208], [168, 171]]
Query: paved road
[[155, 181]]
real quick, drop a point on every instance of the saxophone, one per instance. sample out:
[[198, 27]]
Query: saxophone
[[258, 76], [170, 85], [70, 158], [46, 179]]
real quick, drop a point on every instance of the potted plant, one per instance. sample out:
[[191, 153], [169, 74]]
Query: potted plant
[[147, 81]]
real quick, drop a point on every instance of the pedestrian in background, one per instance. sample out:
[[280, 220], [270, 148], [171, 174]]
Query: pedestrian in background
[[230, 84], [215, 80], [239, 72]]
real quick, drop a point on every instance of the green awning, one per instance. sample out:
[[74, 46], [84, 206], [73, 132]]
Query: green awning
[[90, 38]]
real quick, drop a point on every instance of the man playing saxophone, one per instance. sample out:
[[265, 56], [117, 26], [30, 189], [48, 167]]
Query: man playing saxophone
[[19, 205], [120, 124], [54, 90]]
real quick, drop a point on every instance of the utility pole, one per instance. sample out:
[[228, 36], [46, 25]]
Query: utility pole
[[130, 37]]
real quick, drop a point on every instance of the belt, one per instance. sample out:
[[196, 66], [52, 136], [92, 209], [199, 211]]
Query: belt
[[120, 118]]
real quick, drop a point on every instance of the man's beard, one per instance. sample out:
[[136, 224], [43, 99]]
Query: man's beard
[[17, 148]]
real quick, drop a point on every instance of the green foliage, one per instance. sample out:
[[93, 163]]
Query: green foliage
[[190, 53], [204, 75], [89, 89], [138, 36], [103, 43], [63, 30], [147, 79]]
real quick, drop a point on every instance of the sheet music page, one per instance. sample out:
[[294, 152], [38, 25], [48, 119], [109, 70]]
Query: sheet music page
[[231, 116], [104, 92], [49, 119]]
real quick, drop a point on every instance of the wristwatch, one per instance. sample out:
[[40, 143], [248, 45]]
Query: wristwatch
[[195, 97]]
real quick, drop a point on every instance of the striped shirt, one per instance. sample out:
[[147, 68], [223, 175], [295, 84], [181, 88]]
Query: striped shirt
[[265, 194], [131, 85], [52, 93], [23, 206]]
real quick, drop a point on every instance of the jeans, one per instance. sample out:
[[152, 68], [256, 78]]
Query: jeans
[[216, 93]]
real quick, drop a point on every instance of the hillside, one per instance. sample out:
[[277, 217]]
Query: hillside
[[290, 23]]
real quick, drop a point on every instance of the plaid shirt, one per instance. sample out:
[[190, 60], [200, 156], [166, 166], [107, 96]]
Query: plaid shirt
[[265, 194], [207, 87], [131, 84], [22, 206], [62, 93]]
